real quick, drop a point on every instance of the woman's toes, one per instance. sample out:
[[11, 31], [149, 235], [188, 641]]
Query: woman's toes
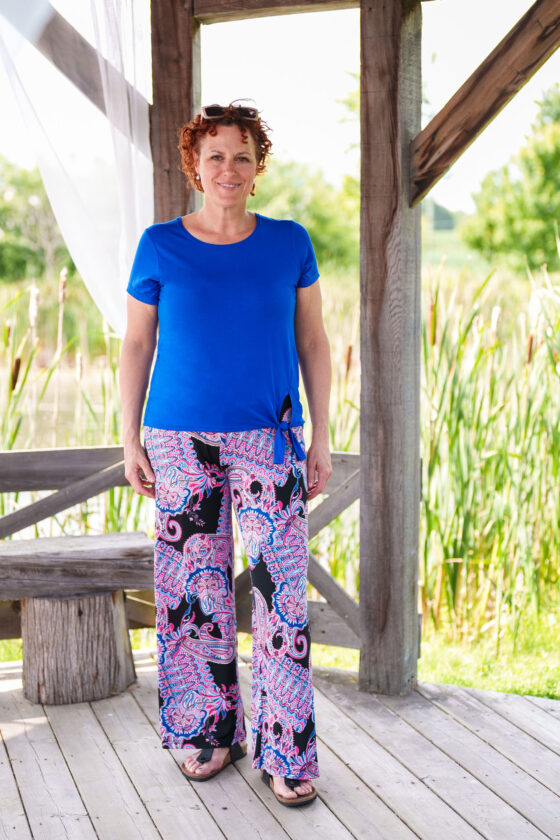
[[304, 787]]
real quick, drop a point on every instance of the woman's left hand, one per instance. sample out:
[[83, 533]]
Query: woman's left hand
[[319, 467]]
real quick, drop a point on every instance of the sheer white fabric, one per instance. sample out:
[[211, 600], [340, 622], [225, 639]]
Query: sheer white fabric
[[102, 200]]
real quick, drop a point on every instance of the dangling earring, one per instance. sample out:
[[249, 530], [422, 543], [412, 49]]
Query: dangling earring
[[197, 177]]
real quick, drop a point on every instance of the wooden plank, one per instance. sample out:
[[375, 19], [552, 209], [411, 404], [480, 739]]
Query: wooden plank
[[549, 704], [111, 799], [504, 736], [230, 797], [72, 494], [482, 811], [50, 469], [338, 500], [390, 261], [176, 98], [343, 464], [526, 716], [13, 822], [357, 807], [403, 791], [493, 84], [341, 602], [53, 805], [167, 796], [481, 760], [59, 567], [140, 608], [328, 628], [313, 823], [215, 11]]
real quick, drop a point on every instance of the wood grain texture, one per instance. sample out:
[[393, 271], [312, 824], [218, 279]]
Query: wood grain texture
[[50, 469], [74, 566], [75, 649], [493, 84], [214, 11], [390, 349], [176, 98], [71, 494]]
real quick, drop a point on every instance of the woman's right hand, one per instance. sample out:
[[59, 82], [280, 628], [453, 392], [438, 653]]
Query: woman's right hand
[[138, 470]]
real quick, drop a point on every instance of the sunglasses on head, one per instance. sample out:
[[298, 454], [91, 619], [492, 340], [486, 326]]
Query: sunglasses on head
[[215, 112]]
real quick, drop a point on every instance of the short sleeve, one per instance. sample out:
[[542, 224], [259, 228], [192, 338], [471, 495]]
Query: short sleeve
[[309, 271], [144, 284]]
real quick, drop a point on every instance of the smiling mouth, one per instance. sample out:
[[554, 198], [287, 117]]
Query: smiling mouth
[[229, 186]]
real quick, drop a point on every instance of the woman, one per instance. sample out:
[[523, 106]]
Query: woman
[[238, 304]]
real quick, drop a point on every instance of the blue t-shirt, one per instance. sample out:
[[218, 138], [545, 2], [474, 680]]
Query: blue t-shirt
[[226, 355]]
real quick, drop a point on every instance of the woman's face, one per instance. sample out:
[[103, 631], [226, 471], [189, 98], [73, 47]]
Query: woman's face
[[227, 166]]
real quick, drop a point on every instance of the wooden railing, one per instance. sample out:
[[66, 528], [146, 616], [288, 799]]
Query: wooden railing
[[62, 567]]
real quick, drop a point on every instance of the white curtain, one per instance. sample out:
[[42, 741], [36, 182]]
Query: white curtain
[[96, 167]]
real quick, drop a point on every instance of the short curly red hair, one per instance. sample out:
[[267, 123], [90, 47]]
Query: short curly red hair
[[191, 132]]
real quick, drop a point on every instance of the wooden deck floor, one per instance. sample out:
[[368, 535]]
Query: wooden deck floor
[[443, 762]]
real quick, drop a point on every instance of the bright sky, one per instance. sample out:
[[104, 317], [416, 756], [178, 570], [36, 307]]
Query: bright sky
[[296, 67]]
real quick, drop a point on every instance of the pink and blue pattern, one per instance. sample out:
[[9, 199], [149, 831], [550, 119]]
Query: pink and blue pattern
[[198, 477]]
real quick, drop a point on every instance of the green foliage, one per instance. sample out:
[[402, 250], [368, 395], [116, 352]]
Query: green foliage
[[518, 205], [31, 244], [290, 190]]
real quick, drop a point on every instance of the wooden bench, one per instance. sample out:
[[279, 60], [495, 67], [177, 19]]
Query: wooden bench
[[74, 628]]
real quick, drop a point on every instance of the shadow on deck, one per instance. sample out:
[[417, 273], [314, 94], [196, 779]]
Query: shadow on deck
[[442, 762]]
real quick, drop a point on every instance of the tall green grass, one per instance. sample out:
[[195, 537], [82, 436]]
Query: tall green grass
[[490, 507]]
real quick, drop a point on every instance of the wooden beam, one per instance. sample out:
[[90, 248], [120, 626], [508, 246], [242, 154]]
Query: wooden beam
[[176, 95], [50, 469], [72, 494], [390, 262], [339, 499], [217, 11], [337, 597], [75, 57], [492, 85], [64, 567]]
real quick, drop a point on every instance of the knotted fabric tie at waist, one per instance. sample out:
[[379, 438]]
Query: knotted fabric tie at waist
[[280, 442]]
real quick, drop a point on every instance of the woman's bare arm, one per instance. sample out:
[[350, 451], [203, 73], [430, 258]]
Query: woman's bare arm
[[315, 361], [137, 355]]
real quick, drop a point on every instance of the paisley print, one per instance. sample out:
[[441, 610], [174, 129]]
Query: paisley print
[[200, 476]]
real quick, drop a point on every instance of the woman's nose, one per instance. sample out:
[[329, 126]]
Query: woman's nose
[[229, 165]]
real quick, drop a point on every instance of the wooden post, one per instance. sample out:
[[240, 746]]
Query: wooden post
[[75, 649], [390, 265], [176, 97]]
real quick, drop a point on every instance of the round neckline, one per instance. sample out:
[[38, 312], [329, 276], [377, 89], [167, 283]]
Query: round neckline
[[220, 244]]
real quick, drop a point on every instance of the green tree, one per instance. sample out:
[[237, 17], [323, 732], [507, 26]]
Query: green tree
[[291, 190], [30, 241], [518, 205]]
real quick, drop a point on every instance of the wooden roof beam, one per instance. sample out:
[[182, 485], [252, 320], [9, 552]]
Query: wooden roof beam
[[218, 11], [77, 59], [495, 81]]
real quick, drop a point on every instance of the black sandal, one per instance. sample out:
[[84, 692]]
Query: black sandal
[[236, 751], [302, 798]]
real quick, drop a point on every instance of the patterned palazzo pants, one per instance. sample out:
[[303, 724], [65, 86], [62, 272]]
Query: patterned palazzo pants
[[198, 476]]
